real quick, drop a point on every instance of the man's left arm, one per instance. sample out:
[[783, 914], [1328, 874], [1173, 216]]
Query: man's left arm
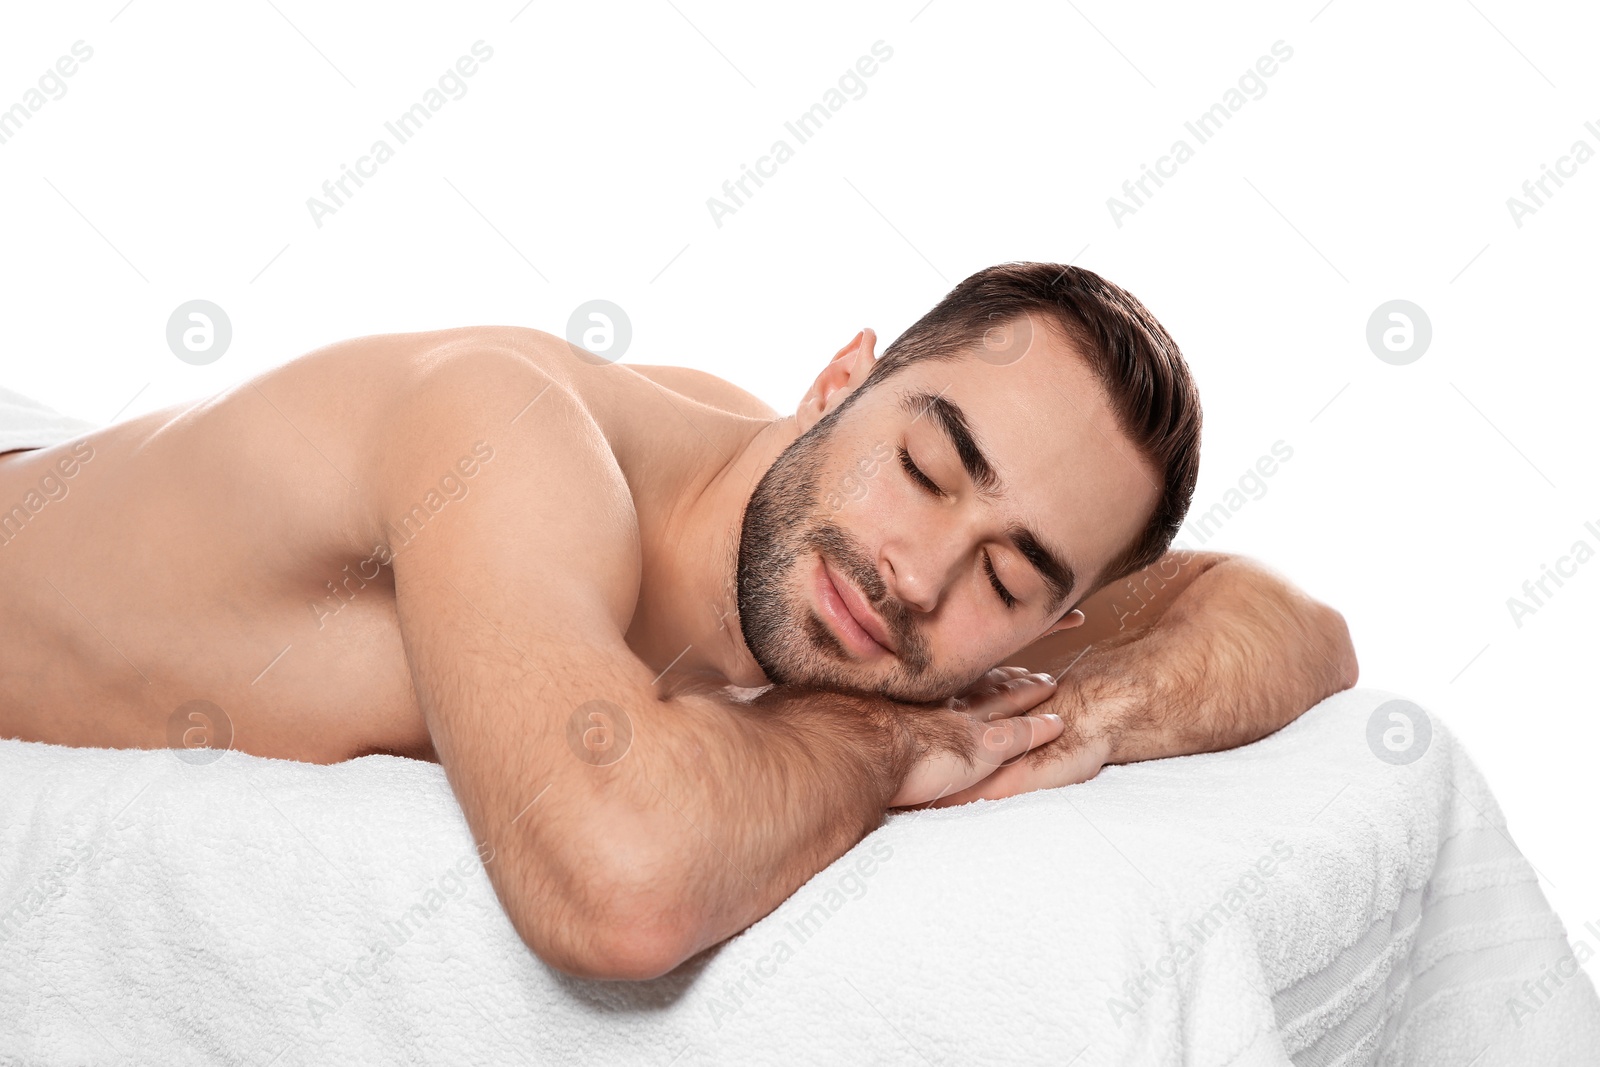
[[1201, 651]]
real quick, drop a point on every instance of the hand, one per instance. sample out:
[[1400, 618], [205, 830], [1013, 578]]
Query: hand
[[965, 742], [1097, 706], [1044, 768], [1076, 755]]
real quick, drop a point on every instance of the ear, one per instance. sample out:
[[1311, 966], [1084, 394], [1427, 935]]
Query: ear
[[843, 374], [1068, 621]]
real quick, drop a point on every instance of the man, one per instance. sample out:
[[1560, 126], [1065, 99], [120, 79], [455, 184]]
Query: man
[[674, 652]]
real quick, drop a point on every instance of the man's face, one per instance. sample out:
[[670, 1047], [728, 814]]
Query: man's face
[[866, 549]]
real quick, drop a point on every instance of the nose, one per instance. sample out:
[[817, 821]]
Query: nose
[[911, 586], [921, 564]]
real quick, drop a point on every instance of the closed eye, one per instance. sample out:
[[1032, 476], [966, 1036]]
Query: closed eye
[[930, 486], [994, 580], [916, 473]]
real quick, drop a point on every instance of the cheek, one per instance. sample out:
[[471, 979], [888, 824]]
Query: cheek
[[980, 631], [866, 520], [959, 640]]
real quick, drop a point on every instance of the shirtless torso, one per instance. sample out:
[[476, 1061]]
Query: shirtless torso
[[228, 550]]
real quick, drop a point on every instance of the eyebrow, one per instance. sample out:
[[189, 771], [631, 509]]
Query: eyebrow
[[948, 416]]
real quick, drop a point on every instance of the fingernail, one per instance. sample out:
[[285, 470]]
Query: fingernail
[[1042, 678], [1051, 716]]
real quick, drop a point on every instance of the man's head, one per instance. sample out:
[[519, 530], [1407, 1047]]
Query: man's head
[[1033, 438]]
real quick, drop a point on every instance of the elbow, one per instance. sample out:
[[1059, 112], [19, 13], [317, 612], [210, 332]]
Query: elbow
[[1346, 669], [617, 922], [620, 950]]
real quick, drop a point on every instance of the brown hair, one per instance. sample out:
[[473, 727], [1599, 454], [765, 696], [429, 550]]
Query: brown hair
[[1152, 394]]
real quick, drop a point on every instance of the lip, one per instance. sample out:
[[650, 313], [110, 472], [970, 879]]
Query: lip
[[852, 618]]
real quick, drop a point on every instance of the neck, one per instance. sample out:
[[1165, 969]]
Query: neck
[[699, 467]]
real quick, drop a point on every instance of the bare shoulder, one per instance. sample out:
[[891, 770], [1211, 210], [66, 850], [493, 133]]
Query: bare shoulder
[[545, 485], [521, 392], [498, 352], [708, 389]]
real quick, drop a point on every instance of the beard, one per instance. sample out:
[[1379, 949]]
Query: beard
[[782, 525]]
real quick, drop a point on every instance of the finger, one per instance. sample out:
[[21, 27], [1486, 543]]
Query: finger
[[1027, 775], [1006, 782], [991, 680], [994, 678], [1005, 739], [1013, 697]]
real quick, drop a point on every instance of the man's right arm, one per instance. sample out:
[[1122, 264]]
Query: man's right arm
[[699, 813]]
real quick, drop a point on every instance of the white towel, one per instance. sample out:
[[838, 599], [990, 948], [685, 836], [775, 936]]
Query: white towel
[[1297, 900], [26, 423]]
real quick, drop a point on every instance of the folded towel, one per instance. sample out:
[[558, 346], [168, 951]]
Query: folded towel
[[1343, 892], [26, 423]]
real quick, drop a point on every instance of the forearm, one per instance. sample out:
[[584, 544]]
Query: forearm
[[743, 803], [1237, 655]]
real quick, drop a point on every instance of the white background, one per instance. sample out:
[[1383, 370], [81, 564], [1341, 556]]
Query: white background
[[1376, 166]]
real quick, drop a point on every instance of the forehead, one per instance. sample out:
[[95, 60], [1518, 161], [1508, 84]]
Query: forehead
[[1045, 423]]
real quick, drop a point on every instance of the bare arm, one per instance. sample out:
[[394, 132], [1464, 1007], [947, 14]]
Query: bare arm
[[630, 829], [1199, 652]]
